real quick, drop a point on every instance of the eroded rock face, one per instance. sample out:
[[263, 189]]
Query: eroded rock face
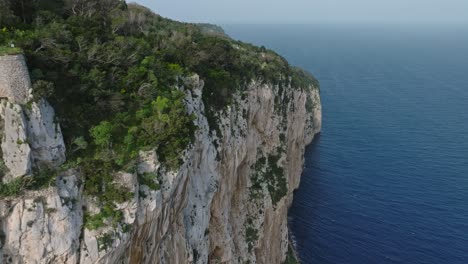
[[96, 244], [44, 135], [16, 151], [227, 203], [261, 163], [43, 226], [30, 136], [215, 208]]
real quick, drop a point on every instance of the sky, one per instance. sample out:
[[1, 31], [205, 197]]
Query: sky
[[311, 11]]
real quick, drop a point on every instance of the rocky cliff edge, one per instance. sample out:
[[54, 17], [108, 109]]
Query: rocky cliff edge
[[227, 203]]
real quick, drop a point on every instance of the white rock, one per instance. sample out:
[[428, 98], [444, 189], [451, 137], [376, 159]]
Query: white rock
[[15, 147], [45, 135], [45, 226]]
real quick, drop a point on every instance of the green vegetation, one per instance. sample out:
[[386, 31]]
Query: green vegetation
[[212, 29], [108, 61], [251, 234], [290, 257], [100, 183], [275, 178], [309, 104], [112, 78], [105, 241], [267, 170], [149, 179], [108, 216], [303, 79], [13, 188], [257, 178], [38, 181], [5, 50], [3, 167], [113, 73]]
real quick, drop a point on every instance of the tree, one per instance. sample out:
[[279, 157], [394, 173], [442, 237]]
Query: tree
[[7, 18], [102, 134], [89, 8]]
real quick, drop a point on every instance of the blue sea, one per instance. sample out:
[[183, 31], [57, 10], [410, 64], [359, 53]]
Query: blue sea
[[387, 179]]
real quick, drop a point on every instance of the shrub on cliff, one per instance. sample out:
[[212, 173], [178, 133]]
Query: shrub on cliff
[[5, 50]]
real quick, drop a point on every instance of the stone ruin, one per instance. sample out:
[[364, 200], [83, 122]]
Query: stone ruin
[[15, 84]]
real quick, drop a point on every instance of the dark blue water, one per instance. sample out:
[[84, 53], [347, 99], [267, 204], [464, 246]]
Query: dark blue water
[[387, 180]]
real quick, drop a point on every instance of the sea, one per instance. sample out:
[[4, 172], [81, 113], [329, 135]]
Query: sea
[[386, 181]]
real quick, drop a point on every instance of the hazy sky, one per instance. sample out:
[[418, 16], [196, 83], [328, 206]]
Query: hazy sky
[[303, 11]]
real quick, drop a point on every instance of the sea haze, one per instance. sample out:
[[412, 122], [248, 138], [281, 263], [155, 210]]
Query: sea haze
[[387, 179]]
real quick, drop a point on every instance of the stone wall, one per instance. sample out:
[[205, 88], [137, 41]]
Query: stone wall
[[15, 83]]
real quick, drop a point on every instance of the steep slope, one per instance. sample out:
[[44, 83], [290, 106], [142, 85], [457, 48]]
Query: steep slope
[[190, 157], [226, 203]]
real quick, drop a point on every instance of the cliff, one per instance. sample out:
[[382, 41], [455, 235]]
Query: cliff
[[30, 135], [145, 140], [227, 203]]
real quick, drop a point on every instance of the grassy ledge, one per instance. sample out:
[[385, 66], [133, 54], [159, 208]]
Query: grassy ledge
[[5, 50]]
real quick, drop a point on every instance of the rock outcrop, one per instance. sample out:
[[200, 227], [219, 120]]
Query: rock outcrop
[[45, 136], [43, 226], [30, 136], [227, 203], [16, 151]]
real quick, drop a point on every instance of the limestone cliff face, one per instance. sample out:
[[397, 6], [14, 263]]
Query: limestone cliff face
[[30, 136], [227, 203]]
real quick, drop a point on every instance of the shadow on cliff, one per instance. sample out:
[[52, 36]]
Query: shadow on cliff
[[310, 177]]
